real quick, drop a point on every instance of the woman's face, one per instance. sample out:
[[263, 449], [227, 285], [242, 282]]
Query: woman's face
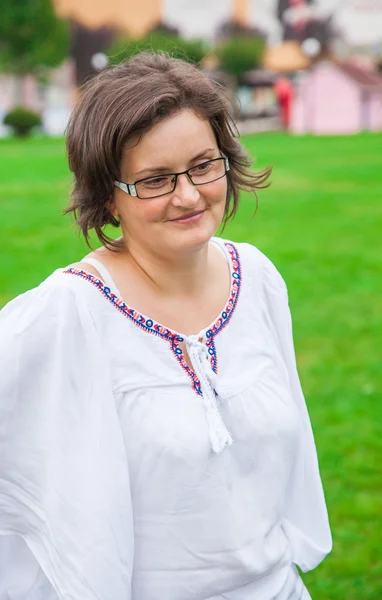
[[174, 144]]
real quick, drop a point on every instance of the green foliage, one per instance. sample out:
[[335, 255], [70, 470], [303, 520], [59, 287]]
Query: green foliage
[[22, 121], [191, 50], [240, 54], [32, 38]]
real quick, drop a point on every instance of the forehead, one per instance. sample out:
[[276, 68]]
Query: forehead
[[172, 141]]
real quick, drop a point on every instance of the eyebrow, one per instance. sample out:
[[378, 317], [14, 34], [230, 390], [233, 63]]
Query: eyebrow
[[167, 169]]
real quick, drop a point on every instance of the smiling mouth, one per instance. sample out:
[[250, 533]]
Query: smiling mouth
[[189, 216]]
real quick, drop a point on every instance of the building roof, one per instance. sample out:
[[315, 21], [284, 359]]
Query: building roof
[[363, 77], [134, 18], [285, 57]]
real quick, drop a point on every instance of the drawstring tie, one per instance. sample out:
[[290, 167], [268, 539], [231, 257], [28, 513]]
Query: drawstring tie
[[198, 353]]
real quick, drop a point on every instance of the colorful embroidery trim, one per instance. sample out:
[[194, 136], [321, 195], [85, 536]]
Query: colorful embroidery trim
[[173, 338]]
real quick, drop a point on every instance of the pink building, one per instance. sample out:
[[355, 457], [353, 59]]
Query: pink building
[[338, 99]]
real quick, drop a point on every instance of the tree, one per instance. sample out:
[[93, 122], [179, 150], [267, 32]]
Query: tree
[[191, 50], [32, 37], [240, 54], [233, 29], [22, 121]]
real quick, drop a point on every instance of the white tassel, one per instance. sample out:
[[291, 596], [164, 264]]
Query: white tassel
[[198, 353]]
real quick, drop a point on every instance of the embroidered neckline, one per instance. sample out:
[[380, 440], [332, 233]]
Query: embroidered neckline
[[172, 337]]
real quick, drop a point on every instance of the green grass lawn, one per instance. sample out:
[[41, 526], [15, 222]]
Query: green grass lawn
[[321, 223]]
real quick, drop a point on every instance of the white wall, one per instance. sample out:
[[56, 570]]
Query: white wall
[[360, 20], [262, 14], [197, 18]]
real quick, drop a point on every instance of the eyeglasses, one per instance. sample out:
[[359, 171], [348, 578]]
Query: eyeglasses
[[160, 185]]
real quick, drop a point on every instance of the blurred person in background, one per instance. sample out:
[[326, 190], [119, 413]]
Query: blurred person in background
[[155, 442], [284, 92]]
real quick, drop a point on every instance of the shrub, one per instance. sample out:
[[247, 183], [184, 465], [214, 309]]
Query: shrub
[[191, 50], [240, 54], [22, 121]]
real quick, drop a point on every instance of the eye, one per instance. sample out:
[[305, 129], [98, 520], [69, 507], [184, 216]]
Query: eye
[[156, 182], [202, 168]]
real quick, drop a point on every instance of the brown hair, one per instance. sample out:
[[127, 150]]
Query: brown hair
[[125, 101]]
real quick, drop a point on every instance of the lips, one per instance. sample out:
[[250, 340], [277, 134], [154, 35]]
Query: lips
[[188, 215]]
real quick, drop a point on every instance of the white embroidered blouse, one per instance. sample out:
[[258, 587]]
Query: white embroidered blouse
[[127, 475]]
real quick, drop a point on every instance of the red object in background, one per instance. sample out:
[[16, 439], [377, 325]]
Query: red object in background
[[284, 92]]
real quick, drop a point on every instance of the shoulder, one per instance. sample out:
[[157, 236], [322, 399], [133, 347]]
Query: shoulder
[[258, 266], [58, 299], [85, 266]]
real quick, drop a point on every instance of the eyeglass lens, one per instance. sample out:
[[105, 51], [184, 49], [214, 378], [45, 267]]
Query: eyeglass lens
[[163, 184]]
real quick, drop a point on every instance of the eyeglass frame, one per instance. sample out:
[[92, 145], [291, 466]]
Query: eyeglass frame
[[130, 188]]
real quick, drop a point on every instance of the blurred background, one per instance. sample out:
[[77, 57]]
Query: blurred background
[[305, 80], [303, 65]]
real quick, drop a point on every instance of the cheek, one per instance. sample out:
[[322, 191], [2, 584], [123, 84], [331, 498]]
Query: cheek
[[152, 211], [140, 211], [217, 192]]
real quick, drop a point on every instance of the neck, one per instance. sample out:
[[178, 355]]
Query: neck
[[178, 275]]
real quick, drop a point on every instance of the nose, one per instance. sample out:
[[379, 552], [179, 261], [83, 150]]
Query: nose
[[186, 194]]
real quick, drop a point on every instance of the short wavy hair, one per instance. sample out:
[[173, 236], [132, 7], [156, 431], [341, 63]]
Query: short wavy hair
[[122, 103]]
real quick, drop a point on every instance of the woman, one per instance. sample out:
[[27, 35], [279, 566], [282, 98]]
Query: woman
[[155, 441]]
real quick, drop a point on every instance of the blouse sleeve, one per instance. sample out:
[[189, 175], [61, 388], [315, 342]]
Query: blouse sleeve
[[305, 516], [66, 528]]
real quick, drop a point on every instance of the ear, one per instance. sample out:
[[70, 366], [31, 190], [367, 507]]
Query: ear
[[111, 206]]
